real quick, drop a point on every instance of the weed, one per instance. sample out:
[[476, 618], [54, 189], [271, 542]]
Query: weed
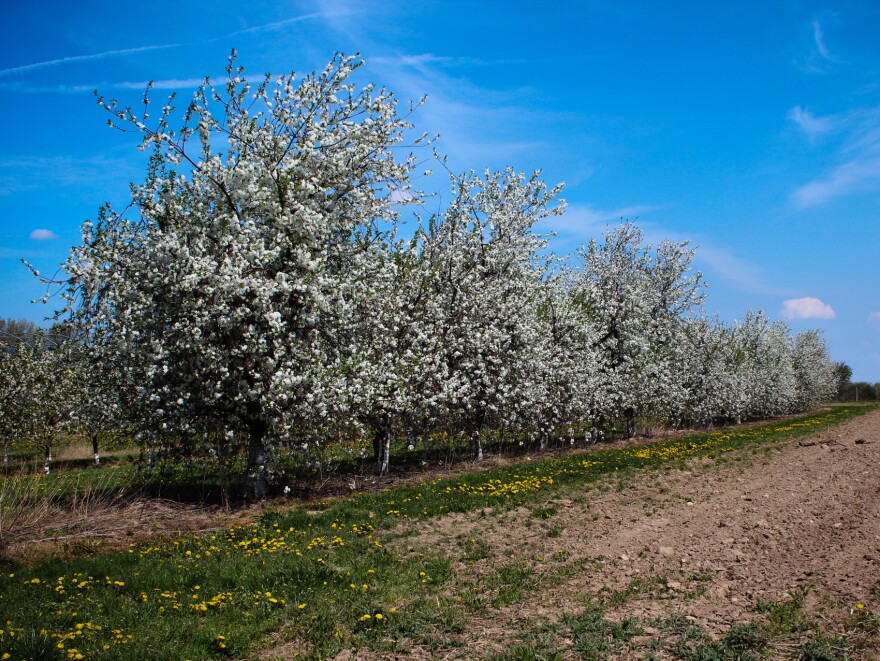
[[527, 653], [637, 587], [543, 512], [476, 549], [593, 635], [510, 580], [554, 531]]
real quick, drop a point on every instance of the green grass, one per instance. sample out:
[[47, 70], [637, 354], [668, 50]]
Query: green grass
[[322, 579]]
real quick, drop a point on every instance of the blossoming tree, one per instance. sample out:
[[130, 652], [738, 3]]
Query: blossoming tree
[[486, 279], [218, 290]]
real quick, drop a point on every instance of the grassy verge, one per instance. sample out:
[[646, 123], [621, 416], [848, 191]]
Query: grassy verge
[[315, 581]]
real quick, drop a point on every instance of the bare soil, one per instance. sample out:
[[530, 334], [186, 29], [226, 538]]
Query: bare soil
[[708, 543]]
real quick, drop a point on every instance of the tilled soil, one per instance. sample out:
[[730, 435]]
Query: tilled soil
[[713, 541]]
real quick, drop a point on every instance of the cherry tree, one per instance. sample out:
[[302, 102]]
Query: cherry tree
[[814, 370], [567, 361], [393, 351], [41, 388], [14, 367], [99, 411], [486, 270], [636, 297], [16, 338], [709, 385], [221, 292]]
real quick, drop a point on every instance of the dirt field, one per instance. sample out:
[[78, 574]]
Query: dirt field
[[705, 546]]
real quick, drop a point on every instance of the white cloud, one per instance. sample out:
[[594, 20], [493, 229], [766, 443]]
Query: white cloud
[[735, 270], [806, 308], [874, 316], [43, 235], [860, 175]]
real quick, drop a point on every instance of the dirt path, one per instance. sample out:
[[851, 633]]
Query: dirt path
[[705, 545]]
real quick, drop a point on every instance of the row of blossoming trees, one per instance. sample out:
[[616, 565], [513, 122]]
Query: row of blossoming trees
[[257, 292]]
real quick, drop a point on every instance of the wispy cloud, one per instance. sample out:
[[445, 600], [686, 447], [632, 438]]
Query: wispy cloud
[[584, 221], [479, 126], [280, 24], [79, 176], [419, 60], [819, 39], [167, 84], [806, 308], [811, 125], [859, 175], [874, 316], [734, 269], [854, 167], [816, 56], [42, 235]]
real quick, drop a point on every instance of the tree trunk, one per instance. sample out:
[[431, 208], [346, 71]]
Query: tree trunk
[[95, 449], [255, 483], [630, 423], [476, 445], [382, 450]]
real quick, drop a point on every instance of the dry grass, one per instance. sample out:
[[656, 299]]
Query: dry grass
[[42, 518]]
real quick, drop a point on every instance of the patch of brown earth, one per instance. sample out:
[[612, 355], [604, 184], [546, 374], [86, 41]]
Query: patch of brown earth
[[717, 539]]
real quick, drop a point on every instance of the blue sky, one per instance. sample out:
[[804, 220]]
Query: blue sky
[[750, 128]]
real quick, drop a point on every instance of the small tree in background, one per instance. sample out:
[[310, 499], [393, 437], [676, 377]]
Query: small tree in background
[[42, 390]]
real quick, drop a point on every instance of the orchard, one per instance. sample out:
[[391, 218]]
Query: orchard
[[261, 291]]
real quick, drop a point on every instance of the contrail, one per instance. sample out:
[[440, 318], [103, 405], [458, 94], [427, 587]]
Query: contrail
[[110, 53], [82, 58], [276, 24]]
